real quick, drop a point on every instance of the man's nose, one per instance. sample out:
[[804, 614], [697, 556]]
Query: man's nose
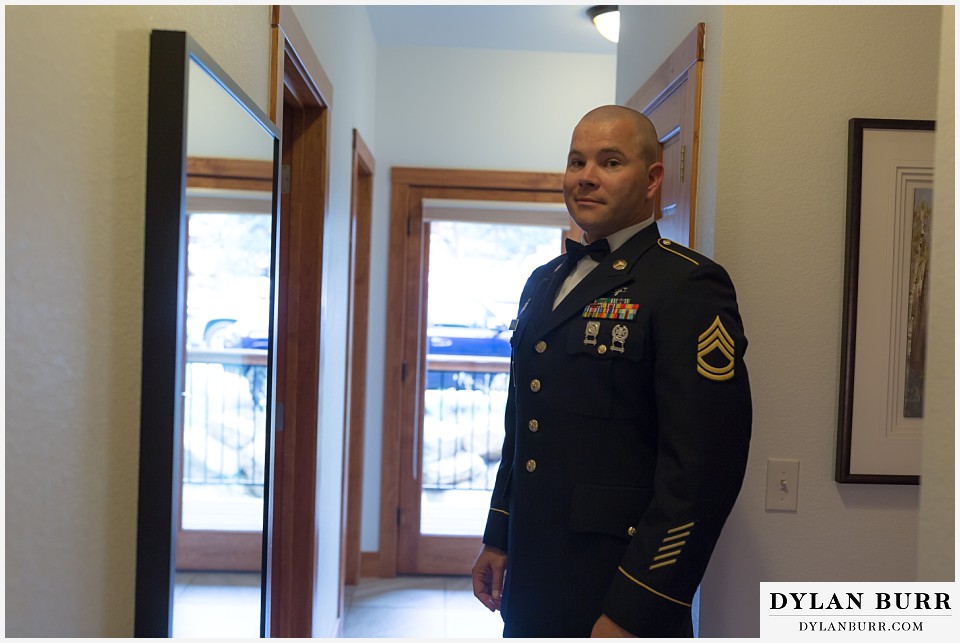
[[587, 176]]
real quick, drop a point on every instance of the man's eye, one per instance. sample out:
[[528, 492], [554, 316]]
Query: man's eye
[[575, 163], [613, 163]]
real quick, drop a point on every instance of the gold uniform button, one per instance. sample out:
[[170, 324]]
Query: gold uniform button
[[535, 385], [601, 349], [541, 346], [631, 531], [533, 425], [667, 242], [531, 465], [619, 264]]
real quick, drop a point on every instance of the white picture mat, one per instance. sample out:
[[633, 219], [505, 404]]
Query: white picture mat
[[895, 163]]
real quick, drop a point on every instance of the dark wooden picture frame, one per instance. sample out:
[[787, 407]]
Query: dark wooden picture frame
[[890, 167]]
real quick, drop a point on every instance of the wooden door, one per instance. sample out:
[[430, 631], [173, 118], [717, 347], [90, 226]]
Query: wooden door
[[671, 100]]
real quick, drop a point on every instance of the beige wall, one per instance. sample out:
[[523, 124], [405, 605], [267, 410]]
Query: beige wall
[[76, 100], [791, 77], [937, 500]]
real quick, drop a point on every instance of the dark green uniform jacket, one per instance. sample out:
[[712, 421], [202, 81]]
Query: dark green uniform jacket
[[627, 429]]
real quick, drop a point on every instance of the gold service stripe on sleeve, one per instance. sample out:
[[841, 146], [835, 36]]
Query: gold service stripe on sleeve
[[663, 564]]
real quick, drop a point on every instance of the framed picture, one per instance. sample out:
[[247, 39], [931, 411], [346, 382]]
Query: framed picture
[[885, 292]]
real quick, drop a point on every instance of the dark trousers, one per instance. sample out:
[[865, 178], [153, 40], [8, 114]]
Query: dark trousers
[[513, 629]]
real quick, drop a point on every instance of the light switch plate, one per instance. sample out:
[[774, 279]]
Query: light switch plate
[[783, 480]]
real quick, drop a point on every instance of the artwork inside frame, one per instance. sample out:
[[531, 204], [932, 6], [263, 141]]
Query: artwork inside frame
[[886, 285], [918, 304]]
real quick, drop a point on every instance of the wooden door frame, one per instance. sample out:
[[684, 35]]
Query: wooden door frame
[[683, 65], [358, 302], [403, 372], [301, 89]]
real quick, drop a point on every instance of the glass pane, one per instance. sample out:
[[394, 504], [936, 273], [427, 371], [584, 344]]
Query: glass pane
[[477, 271], [228, 303]]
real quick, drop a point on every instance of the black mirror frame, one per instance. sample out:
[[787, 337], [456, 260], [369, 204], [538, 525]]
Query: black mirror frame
[[163, 341]]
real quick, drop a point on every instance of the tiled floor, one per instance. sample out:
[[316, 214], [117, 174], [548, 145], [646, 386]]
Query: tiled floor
[[418, 607], [215, 604], [227, 605]]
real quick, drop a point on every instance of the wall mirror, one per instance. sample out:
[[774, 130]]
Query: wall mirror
[[208, 351]]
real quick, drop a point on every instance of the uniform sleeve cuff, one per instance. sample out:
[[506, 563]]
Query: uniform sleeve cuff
[[643, 610], [495, 533]]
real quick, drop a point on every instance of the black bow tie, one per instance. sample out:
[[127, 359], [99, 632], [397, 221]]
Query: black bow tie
[[596, 250]]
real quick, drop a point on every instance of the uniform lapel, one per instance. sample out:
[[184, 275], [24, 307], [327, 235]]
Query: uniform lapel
[[534, 307], [604, 278]]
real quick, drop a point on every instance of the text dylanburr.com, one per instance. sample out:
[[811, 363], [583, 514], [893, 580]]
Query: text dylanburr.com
[[813, 610]]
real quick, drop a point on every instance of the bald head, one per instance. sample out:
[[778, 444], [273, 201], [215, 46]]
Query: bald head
[[613, 172], [646, 133]]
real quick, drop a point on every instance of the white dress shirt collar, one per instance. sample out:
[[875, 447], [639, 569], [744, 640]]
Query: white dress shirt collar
[[620, 237]]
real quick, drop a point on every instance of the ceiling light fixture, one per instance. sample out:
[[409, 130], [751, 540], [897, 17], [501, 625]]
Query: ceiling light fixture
[[606, 18]]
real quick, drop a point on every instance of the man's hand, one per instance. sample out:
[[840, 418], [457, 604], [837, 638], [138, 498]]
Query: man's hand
[[604, 628], [488, 576]]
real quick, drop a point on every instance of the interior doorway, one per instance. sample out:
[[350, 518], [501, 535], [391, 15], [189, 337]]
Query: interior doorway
[[475, 269], [361, 229], [466, 242]]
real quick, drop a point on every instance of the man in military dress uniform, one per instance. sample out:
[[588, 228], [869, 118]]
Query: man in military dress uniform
[[628, 417]]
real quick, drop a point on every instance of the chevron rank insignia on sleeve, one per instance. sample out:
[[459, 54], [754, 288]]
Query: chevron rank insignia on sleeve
[[715, 352]]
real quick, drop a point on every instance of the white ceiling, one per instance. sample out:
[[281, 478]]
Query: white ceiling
[[556, 28]]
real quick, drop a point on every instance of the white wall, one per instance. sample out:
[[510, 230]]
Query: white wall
[[76, 117], [343, 41], [464, 109], [791, 77]]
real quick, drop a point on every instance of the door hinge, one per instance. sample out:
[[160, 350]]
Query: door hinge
[[284, 179], [399, 515], [403, 372], [408, 226], [279, 421], [683, 154]]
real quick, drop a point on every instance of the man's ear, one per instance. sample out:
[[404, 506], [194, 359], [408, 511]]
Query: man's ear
[[654, 178]]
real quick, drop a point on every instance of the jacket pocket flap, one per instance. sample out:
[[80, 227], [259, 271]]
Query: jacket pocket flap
[[607, 510]]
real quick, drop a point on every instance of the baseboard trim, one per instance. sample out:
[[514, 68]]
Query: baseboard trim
[[370, 564]]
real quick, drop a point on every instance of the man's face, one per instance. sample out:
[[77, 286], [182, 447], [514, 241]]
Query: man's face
[[607, 185]]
